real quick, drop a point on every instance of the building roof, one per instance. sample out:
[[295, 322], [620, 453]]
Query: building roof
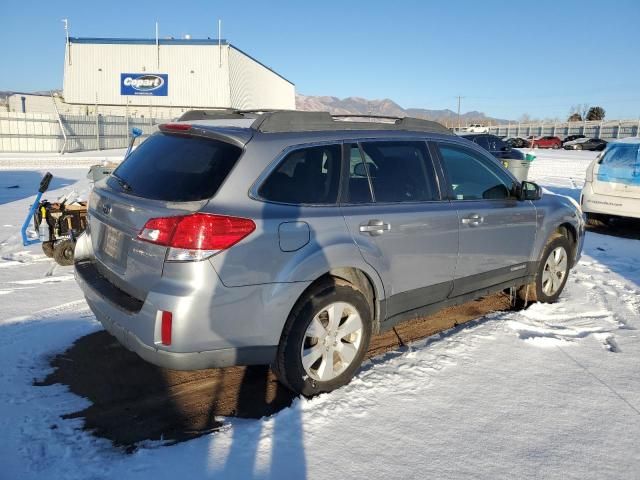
[[169, 41]]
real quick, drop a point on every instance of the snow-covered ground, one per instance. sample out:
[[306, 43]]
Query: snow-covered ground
[[550, 392]]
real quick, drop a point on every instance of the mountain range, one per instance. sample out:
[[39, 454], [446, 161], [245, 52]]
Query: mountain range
[[387, 107]]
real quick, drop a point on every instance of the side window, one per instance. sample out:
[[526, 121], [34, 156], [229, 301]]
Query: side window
[[306, 176], [483, 141], [473, 177], [400, 171]]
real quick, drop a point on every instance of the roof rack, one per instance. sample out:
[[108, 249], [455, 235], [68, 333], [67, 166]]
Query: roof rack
[[280, 121]]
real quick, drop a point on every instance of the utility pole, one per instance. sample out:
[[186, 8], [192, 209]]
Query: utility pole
[[459, 99]]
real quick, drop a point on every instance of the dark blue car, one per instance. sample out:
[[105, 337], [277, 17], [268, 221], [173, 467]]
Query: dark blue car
[[495, 145]]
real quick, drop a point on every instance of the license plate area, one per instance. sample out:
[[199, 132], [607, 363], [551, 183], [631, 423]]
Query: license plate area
[[113, 244]]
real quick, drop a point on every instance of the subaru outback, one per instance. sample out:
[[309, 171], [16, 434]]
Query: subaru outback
[[290, 238]]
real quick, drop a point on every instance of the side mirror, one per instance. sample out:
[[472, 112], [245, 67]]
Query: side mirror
[[530, 191]]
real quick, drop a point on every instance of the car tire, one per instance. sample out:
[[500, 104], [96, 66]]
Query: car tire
[[555, 146], [579, 147], [535, 145], [47, 249], [597, 220], [303, 373], [552, 273], [63, 252]]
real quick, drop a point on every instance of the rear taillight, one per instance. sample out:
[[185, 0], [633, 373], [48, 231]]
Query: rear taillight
[[196, 236]]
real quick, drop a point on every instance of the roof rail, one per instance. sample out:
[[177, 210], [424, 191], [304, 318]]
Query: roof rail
[[301, 121], [280, 121]]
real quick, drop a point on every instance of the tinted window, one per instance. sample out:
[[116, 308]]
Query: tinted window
[[473, 177], [306, 176], [176, 168], [483, 141], [400, 171]]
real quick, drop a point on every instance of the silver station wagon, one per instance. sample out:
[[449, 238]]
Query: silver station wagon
[[290, 238]]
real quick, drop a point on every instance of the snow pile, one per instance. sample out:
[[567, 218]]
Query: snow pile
[[550, 392]]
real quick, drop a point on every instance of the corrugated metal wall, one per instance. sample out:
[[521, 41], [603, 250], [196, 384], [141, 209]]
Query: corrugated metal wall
[[254, 86], [196, 78], [199, 76]]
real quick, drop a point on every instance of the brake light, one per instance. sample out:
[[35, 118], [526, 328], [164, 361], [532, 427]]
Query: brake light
[[179, 127], [196, 236]]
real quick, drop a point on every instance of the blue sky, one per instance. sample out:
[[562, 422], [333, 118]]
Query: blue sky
[[504, 58]]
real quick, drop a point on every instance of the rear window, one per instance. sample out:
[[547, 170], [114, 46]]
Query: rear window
[[176, 168], [306, 176], [621, 163]]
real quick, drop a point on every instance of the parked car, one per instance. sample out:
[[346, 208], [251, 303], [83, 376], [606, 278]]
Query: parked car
[[290, 238], [476, 128], [571, 138], [518, 142], [586, 144], [494, 145], [546, 142], [612, 183]]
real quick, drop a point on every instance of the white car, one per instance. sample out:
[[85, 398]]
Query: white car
[[612, 183], [477, 128]]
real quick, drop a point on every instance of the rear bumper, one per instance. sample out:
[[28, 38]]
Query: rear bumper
[[213, 325], [592, 202], [223, 357]]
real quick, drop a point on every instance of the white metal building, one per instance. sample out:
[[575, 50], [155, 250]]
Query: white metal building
[[168, 76]]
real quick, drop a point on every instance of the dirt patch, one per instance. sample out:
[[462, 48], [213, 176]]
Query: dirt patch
[[133, 400]]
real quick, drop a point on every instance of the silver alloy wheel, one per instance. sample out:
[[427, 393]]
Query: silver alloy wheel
[[554, 271], [331, 341]]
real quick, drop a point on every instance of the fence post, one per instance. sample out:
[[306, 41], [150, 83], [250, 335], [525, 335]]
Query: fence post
[[97, 131]]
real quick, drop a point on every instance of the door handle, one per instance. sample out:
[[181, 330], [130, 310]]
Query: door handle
[[473, 220], [375, 227]]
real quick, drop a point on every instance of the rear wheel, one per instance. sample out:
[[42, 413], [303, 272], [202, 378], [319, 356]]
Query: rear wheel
[[552, 273], [324, 340], [63, 252], [555, 146], [579, 147]]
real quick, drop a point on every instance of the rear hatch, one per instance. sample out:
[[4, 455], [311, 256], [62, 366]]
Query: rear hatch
[[618, 171], [167, 175]]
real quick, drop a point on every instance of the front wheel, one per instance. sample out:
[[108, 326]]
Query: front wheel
[[579, 147], [555, 146], [552, 274], [324, 340]]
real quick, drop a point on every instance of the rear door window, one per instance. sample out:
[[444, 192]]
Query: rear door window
[[306, 176], [176, 168], [400, 171]]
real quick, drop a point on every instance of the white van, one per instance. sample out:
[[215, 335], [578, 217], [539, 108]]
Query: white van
[[612, 186]]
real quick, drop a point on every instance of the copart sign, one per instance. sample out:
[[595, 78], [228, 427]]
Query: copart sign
[[150, 84]]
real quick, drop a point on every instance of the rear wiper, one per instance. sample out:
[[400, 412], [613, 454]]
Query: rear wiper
[[122, 182]]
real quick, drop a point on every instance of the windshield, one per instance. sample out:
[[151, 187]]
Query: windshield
[[621, 164]]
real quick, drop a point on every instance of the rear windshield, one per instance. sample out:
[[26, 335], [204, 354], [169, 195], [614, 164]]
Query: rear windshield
[[621, 164], [175, 168]]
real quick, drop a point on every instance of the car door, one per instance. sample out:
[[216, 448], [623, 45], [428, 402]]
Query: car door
[[497, 231], [394, 212]]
